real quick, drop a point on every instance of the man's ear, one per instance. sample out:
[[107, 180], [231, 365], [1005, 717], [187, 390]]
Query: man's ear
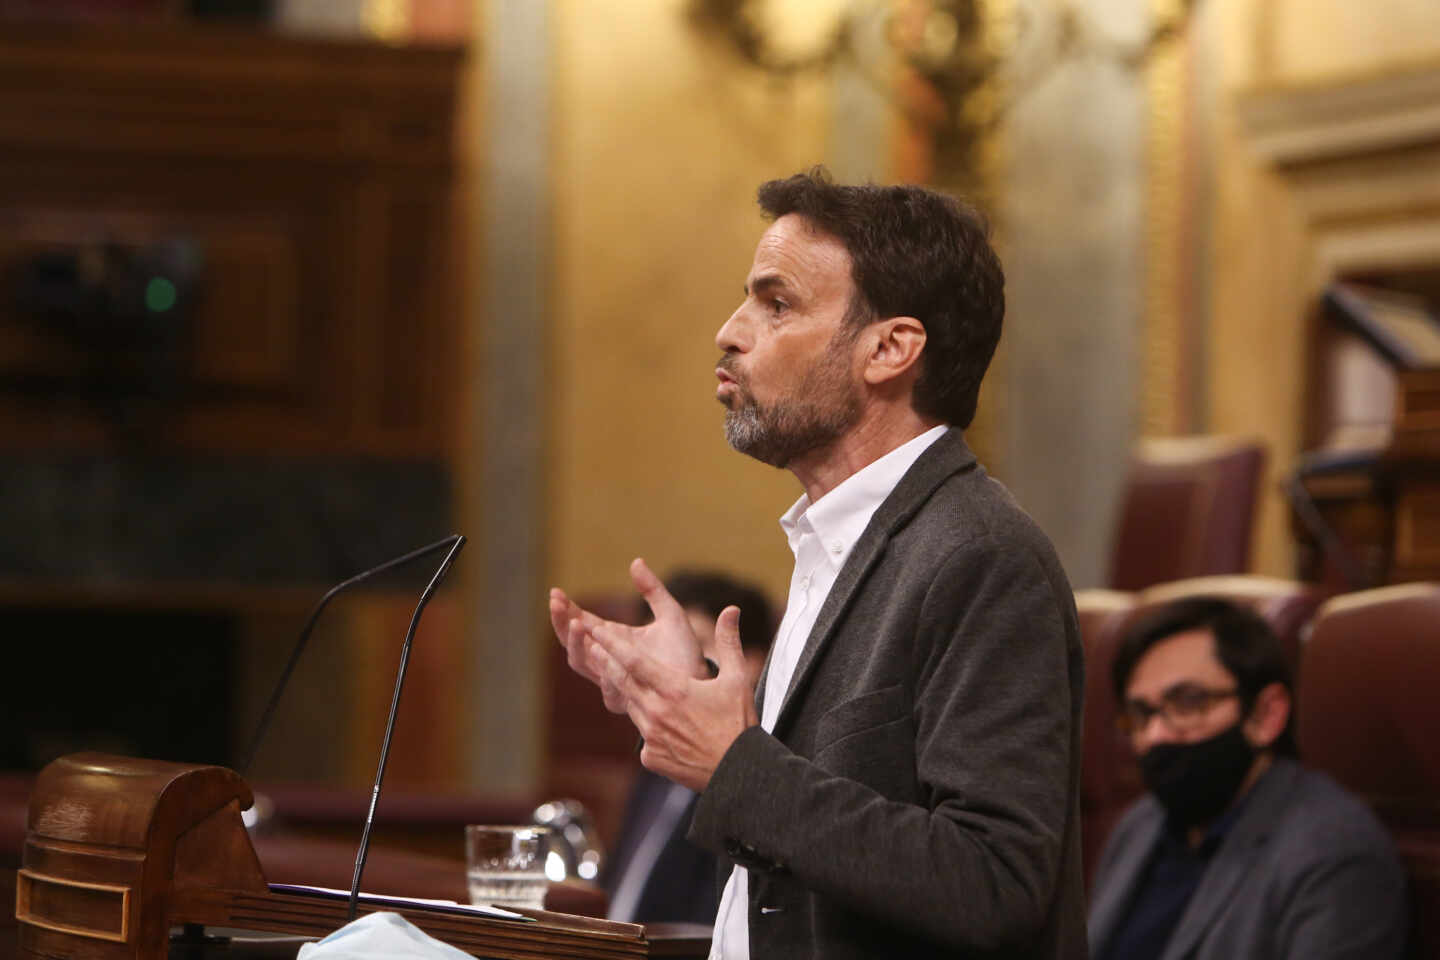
[[1268, 716], [893, 348]]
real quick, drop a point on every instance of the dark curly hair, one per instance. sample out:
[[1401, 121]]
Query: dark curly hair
[[914, 253], [712, 592], [1244, 644]]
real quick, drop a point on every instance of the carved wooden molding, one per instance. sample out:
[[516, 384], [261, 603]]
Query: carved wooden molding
[[1345, 117], [186, 93], [93, 903]]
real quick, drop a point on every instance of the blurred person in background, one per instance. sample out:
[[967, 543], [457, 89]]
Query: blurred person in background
[[656, 874], [1237, 851]]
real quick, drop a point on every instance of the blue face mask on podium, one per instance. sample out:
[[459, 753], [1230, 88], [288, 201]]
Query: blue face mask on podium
[[1195, 782]]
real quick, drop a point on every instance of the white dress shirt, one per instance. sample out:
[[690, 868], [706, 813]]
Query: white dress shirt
[[821, 535]]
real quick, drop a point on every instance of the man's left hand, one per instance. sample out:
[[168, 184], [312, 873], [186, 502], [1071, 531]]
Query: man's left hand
[[688, 724]]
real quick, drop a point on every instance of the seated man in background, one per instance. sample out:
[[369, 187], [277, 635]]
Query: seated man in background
[[656, 874], [1237, 851]]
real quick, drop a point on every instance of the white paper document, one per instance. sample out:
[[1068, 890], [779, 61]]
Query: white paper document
[[378, 899]]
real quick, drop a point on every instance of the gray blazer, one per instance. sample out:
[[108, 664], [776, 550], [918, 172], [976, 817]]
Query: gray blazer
[[1306, 872], [918, 797]]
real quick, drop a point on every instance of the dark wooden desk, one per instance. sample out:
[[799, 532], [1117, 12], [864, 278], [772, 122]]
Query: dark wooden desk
[[120, 851]]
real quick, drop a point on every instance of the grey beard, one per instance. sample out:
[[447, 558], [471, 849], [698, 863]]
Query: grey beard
[[744, 431], [780, 434]]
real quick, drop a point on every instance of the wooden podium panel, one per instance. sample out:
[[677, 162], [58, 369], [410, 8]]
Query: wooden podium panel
[[120, 851]]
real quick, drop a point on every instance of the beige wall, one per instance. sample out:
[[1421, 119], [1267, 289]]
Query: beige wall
[[1317, 40], [660, 138]]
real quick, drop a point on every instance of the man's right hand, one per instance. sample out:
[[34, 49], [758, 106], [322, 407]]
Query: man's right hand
[[668, 639]]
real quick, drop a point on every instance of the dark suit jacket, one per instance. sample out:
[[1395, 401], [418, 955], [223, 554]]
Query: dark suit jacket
[[680, 886], [1306, 872], [918, 796]]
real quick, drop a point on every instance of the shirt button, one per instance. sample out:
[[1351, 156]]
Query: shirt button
[[805, 583], [837, 547]]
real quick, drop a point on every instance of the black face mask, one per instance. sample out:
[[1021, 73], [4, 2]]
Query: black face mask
[[1195, 782]]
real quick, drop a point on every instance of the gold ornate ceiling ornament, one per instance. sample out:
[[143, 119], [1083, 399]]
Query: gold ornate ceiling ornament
[[963, 52]]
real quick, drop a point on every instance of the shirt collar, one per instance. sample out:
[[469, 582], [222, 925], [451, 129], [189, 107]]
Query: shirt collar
[[840, 516]]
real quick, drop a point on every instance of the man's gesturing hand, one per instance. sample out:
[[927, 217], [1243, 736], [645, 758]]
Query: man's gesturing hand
[[687, 723], [668, 639]]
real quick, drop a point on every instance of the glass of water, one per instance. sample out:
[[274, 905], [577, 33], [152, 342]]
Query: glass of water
[[506, 865]]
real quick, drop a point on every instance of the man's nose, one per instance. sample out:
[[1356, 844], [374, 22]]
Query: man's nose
[[730, 337]]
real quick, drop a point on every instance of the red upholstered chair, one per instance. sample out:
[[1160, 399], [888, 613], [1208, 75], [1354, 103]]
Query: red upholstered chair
[[1109, 779], [1370, 716], [1188, 508]]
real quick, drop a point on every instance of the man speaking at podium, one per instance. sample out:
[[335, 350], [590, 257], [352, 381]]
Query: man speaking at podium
[[904, 781]]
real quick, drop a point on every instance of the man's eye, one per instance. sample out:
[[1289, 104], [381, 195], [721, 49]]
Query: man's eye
[[778, 306], [1189, 701]]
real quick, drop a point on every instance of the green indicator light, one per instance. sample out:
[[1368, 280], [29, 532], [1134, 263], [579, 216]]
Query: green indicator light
[[159, 295]]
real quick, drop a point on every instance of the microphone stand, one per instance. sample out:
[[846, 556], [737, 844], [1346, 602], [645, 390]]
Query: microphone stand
[[454, 540], [444, 568]]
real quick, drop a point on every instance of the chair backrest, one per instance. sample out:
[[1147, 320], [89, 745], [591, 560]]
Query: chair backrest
[[1109, 779], [1187, 511], [1370, 716]]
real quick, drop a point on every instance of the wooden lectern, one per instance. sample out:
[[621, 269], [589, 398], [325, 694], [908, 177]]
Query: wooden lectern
[[1368, 501], [1385, 512], [120, 851]]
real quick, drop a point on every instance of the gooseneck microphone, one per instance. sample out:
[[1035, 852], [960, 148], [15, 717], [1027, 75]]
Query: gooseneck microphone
[[454, 540], [457, 542]]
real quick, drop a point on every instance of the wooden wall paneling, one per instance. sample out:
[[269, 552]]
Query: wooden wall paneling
[[421, 260], [315, 176], [256, 361], [425, 751]]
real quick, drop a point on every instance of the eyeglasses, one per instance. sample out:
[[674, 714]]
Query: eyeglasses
[[1183, 708]]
